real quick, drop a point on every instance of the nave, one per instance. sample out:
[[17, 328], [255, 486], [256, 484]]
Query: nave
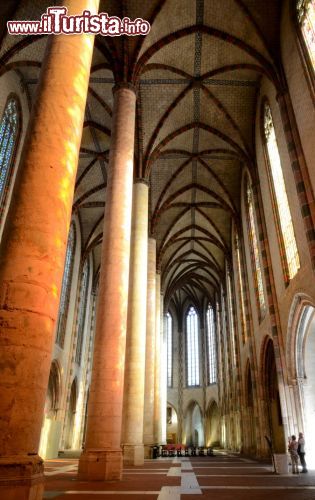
[[225, 476]]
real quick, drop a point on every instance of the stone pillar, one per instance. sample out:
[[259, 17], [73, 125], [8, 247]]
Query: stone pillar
[[157, 374], [148, 430], [136, 329], [33, 253], [102, 455], [163, 372]]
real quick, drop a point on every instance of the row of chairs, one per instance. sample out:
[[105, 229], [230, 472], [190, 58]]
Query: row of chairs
[[185, 451]]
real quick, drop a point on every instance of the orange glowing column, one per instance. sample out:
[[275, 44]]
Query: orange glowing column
[[136, 329], [33, 252], [102, 456]]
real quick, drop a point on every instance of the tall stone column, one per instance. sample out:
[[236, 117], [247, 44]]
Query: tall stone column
[[157, 375], [136, 329], [102, 456], [163, 371], [148, 430], [33, 253]]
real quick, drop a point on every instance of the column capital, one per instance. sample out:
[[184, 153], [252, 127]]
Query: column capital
[[141, 180], [124, 85]]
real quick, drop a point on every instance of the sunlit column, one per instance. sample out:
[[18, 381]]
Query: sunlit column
[[163, 373], [33, 253], [102, 455], [157, 375], [136, 329], [148, 430]]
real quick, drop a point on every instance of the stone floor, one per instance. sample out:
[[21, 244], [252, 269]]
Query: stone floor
[[223, 477]]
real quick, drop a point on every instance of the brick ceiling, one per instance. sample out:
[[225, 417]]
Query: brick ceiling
[[198, 74]]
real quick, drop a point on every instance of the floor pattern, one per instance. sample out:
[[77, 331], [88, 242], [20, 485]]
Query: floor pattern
[[223, 477]]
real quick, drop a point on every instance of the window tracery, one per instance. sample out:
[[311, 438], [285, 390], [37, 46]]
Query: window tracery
[[281, 198], [255, 250], [82, 310], [65, 288], [212, 349], [9, 134], [193, 376], [306, 19]]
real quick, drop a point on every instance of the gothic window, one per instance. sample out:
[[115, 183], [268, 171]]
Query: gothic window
[[192, 348], [292, 261], [241, 288], [231, 318], [65, 288], [9, 135], [169, 350], [82, 310], [255, 250], [211, 344], [306, 20]]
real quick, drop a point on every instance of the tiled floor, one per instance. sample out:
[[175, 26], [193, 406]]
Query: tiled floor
[[222, 477]]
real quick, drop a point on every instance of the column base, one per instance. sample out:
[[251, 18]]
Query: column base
[[148, 450], [21, 477], [100, 465], [133, 454]]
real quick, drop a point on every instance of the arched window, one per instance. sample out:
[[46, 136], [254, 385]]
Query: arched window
[[169, 350], [241, 287], [65, 288], [82, 310], [284, 220], [193, 377], [254, 250], [211, 344], [231, 318], [9, 136], [306, 19]]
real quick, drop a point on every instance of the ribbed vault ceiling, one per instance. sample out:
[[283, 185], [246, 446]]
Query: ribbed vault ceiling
[[198, 74]]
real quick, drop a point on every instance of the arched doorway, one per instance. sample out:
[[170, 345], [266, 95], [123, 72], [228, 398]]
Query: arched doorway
[[272, 398], [194, 425], [303, 346], [71, 415], [213, 425], [171, 425], [51, 428]]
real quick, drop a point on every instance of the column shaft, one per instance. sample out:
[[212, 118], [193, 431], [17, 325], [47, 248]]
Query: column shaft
[[157, 377], [136, 330], [148, 431], [102, 456], [33, 253], [163, 371]]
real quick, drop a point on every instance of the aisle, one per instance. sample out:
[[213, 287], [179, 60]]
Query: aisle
[[223, 477]]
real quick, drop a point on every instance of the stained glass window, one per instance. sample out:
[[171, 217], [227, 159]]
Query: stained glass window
[[9, 131], [285, 220], [65, 288], [169, 350], [82, 310], [212, 350], [255, 251], [241, 288], [193, 377], [306, 19]]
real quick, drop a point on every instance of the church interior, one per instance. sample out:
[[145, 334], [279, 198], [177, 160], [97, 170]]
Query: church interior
[[157, 252]]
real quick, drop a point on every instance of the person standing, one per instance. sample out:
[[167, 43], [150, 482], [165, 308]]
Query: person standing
[[293, 446], [301, 451]]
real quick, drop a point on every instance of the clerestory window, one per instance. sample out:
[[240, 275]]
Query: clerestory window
[[192, 337], [284, 219]]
